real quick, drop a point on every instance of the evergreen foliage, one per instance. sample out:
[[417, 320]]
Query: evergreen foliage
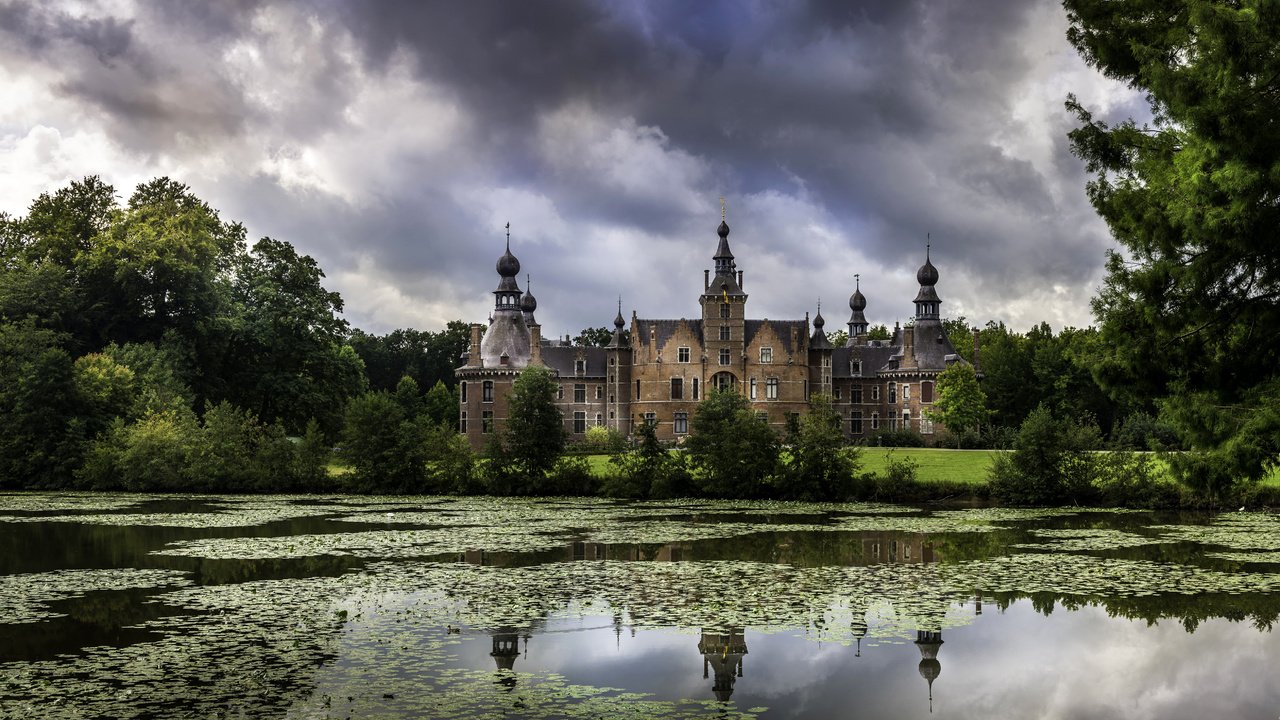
[[1190, 310]]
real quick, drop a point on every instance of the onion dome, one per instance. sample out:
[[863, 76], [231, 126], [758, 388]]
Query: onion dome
[[927, 274], [528, 303], [508, 265], [618, 322], [857, 301], [819, 340], [723, 230]]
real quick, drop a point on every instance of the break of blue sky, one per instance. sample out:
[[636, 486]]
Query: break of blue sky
[[394, 140]]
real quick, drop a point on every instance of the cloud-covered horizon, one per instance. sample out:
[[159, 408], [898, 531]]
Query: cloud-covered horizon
[[392, 141]]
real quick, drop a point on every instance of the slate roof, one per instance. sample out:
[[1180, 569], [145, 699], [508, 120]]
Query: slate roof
[[782, 328], [665, 328], [932, 346], [560, 359]]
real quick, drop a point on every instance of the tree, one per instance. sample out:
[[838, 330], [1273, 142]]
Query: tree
[[839, 338], [534, 435], [879, 332], [1051, 463], [593, 337], [960, 335], [821, 466], [387, 446], [1191, 309], [961, 405], [40, 409], [734, 452]]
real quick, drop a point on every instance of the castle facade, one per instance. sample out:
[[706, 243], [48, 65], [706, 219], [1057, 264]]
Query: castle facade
[[658, 370]]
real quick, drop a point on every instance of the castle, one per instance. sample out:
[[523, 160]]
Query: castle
[[658, 370]]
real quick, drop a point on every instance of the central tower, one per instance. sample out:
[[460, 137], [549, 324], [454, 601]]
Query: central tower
[[724, 315]]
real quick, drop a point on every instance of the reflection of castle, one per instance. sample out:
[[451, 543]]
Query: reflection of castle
[[722, 653], [892, 547]]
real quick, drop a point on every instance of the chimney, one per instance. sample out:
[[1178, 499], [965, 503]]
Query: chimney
[[535, 344], [909, 347], [473, 359], [706, 280]]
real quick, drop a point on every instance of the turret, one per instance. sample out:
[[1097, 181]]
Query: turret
[[927, 301], [506, 342], [857, 320]]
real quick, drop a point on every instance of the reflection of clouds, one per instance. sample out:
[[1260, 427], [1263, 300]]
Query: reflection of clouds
[[1018, 663]]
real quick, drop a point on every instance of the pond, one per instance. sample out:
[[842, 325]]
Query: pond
[[319, 607]]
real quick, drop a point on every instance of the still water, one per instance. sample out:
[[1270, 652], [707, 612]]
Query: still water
[[318, 607]]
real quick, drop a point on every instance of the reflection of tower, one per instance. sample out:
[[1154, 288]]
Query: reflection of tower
[[859, 627], [929, 641], [723, 652], [506, 648]]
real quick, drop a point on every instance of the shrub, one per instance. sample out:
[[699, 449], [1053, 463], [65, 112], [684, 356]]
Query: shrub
[[1130, 479], [899, 475], [896, 438], [734, 452], [1051, 462], [820, 467]]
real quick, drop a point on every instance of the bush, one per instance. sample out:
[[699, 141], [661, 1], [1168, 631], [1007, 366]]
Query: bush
[[648, 470], [1052, 462], [899, 475], [386, 448], [1141, 431], [601, 439], [820, 467], [571, 475], [735, 453], [1129, 479]]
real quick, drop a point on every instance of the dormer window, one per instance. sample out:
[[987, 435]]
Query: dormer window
[[855, 367], [579, 367], [766, 354]]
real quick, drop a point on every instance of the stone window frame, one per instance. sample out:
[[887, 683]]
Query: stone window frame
[[724, 310], [771, 388], [683, 354], [906, 392], [725, 333], [753, 395], [486, 391], [463, 390], [462, 423], [580, 392], [766, 355], [680, 423], [725, 359], [855, 422], [486, 422], [855, 393], [579, 422], [875, 393], [875, 421], [677, 388]]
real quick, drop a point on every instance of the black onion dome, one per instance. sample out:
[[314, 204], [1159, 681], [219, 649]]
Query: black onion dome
[[528, 303], [818, 322], [857, 301], [723, 230], [927, 274], [618, 322], [508, 265]]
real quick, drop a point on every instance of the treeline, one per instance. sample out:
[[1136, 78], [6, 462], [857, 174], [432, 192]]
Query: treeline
[[145, 345]]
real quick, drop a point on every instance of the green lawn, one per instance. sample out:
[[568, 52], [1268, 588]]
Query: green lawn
[[967, 466]]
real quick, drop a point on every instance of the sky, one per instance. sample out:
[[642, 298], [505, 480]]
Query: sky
[[393, 141]]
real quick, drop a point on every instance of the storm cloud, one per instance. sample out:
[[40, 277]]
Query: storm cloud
[[394, 140]]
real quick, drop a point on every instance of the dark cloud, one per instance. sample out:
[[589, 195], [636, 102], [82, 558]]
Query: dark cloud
[[402, 135]]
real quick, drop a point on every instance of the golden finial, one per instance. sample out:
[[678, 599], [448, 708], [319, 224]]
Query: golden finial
[[722, 210]]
